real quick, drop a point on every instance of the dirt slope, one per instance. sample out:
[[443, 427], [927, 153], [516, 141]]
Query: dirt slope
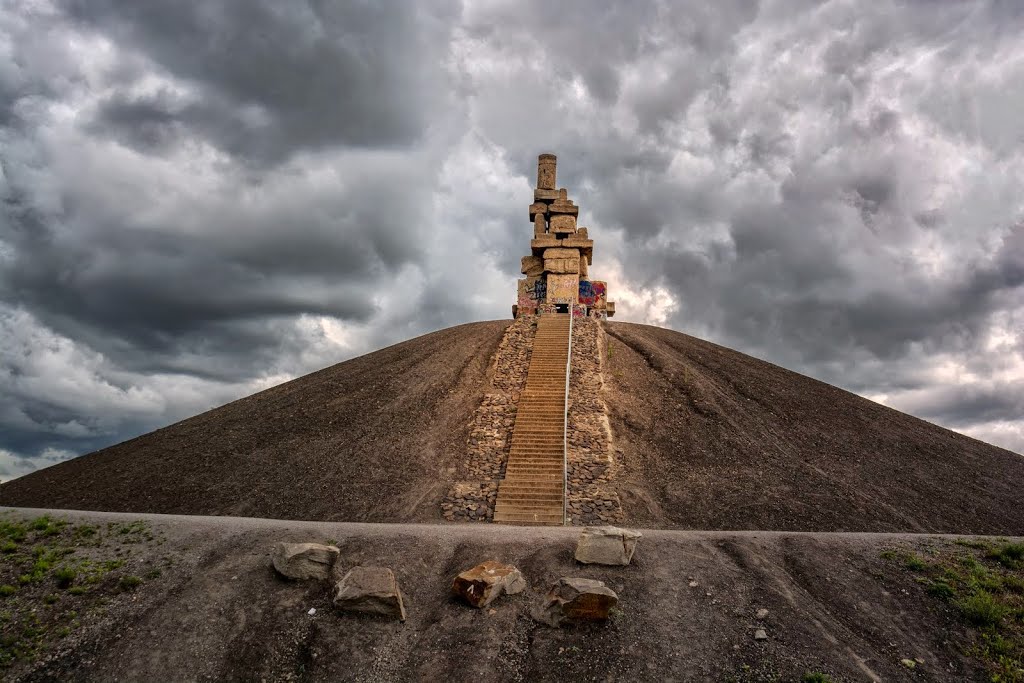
[[714, 439], [367, 439], [709, 439], [217, 611]]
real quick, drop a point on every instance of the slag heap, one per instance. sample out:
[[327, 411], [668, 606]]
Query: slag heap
[[557, 269]]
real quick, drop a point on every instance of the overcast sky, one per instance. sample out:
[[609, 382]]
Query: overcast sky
[[203, 199]]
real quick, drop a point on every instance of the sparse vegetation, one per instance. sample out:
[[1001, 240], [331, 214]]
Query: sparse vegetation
[[984, 583], [128, 583], [44, 559], [815, 677]]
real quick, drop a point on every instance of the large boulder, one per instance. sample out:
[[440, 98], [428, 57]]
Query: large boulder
[[304, 560], [573, 600], [371, 590], [606, 545], [482, 584]]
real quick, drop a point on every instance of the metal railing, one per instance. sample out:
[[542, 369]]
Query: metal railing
[[565, 424]]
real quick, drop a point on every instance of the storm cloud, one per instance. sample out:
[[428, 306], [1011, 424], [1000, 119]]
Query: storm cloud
[[202, 199]]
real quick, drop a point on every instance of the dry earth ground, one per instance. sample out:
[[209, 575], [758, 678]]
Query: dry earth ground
[[688, 609]]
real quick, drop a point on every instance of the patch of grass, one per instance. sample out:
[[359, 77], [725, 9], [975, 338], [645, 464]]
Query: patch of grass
[[982, 609], [914, 562], [940, 589], [984, 582], [65, 576], [1007, 554], [129, 583], [13, 531], [38, 556], [152, 574], [815, 677]]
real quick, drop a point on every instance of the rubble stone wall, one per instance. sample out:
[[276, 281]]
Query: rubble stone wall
[[472, 498], [592, 464]]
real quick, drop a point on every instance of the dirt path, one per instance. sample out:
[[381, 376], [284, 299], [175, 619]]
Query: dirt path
[[688, 609]]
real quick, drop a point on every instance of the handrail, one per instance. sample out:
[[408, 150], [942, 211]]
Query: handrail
[[565, 424]]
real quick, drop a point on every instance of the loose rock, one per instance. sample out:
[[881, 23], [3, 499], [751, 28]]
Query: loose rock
[[482, 584], [304, 560], [371, 590], [606, 545], [574, 599], [760, 634], [762, 613]]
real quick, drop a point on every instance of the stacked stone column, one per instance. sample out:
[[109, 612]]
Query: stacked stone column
[[557, 268]]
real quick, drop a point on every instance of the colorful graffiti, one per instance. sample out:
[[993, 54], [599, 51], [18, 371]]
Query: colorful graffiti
[[592, 292]]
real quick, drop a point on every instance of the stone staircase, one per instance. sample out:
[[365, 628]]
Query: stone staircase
[[532, 492]]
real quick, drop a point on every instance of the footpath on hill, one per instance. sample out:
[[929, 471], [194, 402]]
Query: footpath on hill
[[849, 606]]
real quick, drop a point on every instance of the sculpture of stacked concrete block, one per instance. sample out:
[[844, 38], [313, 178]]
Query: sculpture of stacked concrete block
[[557, 269]]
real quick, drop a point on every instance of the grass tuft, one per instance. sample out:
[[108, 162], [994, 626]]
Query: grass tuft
[[982, 609]]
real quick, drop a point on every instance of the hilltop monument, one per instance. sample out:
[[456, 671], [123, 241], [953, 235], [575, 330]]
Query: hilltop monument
[[557, 268]]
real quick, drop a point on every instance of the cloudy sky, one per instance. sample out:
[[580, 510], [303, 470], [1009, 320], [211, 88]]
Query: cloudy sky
[[202, 199]]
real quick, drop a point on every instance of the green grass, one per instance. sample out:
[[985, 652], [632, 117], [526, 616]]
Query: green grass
[[1008, 554], [981, 608], [815, 677], [65, 576], [43, 561], [983, 582], [129, 583]]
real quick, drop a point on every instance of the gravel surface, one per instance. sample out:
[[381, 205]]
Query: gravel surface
[[704, 438], [690, 606], [374, 438], [713, 439]]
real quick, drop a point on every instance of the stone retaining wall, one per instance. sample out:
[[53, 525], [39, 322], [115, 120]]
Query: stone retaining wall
[[592, 464], [472, 498]]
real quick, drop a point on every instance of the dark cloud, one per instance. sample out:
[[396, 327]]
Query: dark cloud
[[201, 199], [264, 79]]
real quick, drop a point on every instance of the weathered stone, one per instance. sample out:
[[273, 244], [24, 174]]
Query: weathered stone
[[372, 590], [484, 583], [563, 207], [562, 224], [574, 599], [562, 265], [606, 545], [537, 208], [547, 168], [532, 266], [304, 560], [760, 634]]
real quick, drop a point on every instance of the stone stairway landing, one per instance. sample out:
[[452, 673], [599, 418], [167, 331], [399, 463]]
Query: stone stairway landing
[[532, 492]]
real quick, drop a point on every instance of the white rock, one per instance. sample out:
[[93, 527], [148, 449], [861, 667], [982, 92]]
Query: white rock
[[304, 560], [606, 545]]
